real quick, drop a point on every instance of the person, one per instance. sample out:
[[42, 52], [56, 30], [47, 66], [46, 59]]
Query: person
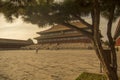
[[37, 50]]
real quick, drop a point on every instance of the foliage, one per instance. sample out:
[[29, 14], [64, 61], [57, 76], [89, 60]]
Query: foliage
[[38, 11], [106, 43], [44, 12], [91, 76], [41, 12], [106, 7]]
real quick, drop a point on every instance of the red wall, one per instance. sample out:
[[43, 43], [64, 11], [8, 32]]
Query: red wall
[[118, 42]]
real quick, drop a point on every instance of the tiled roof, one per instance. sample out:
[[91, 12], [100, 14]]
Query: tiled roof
[[60, 36], [62, 27], [14, 41]]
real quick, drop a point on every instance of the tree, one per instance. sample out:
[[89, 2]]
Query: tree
[[43, 12]]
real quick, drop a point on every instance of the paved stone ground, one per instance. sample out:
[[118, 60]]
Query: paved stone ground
[[47, 65]]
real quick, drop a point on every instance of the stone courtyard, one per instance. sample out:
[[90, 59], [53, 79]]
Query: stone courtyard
[[47, 64]]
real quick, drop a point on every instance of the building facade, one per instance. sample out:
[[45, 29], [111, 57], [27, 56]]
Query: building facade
[[14, 44], [118, 42], [117, 35], [62, 37]]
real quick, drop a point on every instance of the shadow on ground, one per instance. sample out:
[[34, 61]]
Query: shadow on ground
[[3, 77]]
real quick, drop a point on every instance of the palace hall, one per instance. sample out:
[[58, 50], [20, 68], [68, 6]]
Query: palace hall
[[62, 37], [14, 44]]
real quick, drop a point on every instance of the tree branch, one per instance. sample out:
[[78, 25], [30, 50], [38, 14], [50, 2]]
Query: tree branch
[[84, 22], [111, 40], [117, 32], [97, 40]]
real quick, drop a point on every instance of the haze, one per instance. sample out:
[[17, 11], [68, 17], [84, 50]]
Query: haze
[[23, 31], [18, 29]]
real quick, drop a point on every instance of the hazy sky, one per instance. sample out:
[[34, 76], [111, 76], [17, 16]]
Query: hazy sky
[[21, 30], [18, 29], [103, 28]]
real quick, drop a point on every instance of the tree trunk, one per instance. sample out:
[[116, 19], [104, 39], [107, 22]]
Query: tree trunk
[[112, 43], [110, 71], [105, 61]]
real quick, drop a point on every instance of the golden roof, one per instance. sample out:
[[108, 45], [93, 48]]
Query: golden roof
[[56, 28], [60, 36]]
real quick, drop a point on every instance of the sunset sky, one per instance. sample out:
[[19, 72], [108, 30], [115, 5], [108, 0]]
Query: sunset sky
[[21, 30]]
